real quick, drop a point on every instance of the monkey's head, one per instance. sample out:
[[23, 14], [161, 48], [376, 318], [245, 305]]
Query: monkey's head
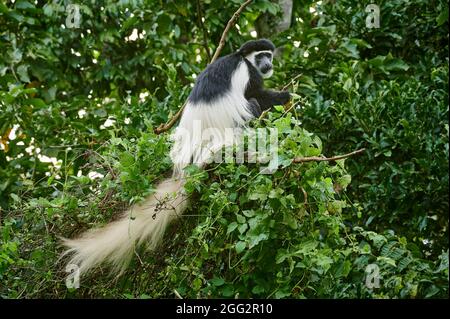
[[260, 54]]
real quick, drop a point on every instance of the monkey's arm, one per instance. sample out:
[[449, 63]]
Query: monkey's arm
[[266, 99]]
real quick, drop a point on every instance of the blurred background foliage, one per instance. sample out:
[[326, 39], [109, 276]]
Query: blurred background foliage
[[78, 109]]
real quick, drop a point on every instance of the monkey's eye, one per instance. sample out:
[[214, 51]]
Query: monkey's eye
[[263, 55]]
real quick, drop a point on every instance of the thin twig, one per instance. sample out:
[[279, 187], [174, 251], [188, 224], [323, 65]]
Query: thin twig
[[289, 107], [14, 73], [321, 159], [264, 113], [177, 294], [139, 258], [305, 194], [167, 126], [204, 31], [291, 81]]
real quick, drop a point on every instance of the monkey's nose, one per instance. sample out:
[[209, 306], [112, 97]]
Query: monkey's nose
[[266, 68]]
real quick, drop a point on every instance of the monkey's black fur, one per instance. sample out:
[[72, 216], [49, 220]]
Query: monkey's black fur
[[256, 45], [215, 80], [265, 98]]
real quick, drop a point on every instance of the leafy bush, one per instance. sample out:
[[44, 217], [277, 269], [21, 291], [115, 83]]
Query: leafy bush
[[285, 235], [384, 89]]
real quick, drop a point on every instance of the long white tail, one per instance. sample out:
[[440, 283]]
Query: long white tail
[[115, 243]]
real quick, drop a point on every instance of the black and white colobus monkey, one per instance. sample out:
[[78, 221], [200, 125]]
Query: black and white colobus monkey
[[227, 94], [240, 73]]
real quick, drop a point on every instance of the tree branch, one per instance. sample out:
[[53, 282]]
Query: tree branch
[[167, 126], [291, 81], [230, 24], [322, 159]]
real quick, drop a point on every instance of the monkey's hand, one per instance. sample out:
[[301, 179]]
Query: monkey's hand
[[267, 99], [283, 97], [255, 107]]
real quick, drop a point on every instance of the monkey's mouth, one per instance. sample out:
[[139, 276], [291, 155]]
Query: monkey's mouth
[[267, 73], [266, 69]]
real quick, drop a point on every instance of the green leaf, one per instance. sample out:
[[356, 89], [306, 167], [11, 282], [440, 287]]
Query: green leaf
[[127, 159], [130, 22], [258, 290], [248, 213], [290, 221], [255, 240], [365, 249], [48, 9], [324, 262], [217, 281], [442, 17], [177, 31], [347, 84], [241, 219], [242, 228], [50, 94], [343, 269], [23, 4], [16, 56], [164, 22], [228, 291], [38, 103], [396, 65], [15, 197], [240, 246], [386, 260], [232, 227], [344, 180], [431, 291], [350, 50], [100, 112], [279, 108], [282, 294], [22, 71]]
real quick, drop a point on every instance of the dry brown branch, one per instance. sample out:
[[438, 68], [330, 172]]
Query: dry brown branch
[[263, 114], [321, 159], [291, 81], [167, 126], [305, 195], [230, 24]]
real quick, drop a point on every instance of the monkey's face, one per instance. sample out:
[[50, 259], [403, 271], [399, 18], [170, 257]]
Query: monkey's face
[[262, 61]]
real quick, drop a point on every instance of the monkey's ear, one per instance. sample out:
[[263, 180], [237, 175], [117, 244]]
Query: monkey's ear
[[256, 45]]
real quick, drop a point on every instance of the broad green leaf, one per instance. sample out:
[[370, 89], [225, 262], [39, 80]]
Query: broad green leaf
[[240, 246]]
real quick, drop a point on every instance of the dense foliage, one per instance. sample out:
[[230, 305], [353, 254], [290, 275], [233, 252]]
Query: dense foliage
[[78, 109]]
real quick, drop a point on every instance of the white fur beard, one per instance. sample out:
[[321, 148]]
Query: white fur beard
[[206, 127]]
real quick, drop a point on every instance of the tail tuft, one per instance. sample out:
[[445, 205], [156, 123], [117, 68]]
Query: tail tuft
[[115, 243]]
